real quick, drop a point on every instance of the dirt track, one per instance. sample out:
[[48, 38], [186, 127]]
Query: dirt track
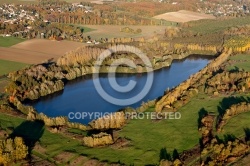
[[37, 50]]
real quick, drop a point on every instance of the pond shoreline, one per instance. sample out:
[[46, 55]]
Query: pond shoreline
[[89, 77], [104, 74]]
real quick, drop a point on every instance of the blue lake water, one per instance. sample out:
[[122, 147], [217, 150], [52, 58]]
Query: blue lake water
[[80, 95]]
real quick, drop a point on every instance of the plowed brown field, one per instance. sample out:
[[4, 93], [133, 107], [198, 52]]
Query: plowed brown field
[[37, 50], [183, 16]]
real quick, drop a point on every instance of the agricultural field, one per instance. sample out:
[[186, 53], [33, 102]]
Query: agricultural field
[[9, 41], [112, 31], [183, 16], [76, 1], [18, 1], [37, 50], [218, 25], [8, 66], [5, 68], [240, 61]]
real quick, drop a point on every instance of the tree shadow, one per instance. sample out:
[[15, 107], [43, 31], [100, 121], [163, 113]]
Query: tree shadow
[[164, 155], [235, 69], [175, 155], [30, 131], [229, 137], [201, 144], [202, 113], [227, 102], [219, 141], [226, 138], [1, 95], [247, 134]]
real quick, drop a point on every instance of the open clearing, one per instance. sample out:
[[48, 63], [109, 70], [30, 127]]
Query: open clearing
[[37, 50], [112, 31], [183, 16]]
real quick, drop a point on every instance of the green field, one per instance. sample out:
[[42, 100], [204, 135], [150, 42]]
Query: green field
[[242, 61], [35, 131], [147, 137], [180, 134], [236, 125], [9, 66], [9, 41], [212, 26]]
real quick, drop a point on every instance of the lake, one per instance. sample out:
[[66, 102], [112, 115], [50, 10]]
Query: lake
[[80, 96]]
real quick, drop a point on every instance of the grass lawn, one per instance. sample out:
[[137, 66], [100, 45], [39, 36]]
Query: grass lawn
[[8, 66], [9, 41], [241, 65]]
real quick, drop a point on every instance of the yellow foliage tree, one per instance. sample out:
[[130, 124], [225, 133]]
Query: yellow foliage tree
[[12, 150]]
